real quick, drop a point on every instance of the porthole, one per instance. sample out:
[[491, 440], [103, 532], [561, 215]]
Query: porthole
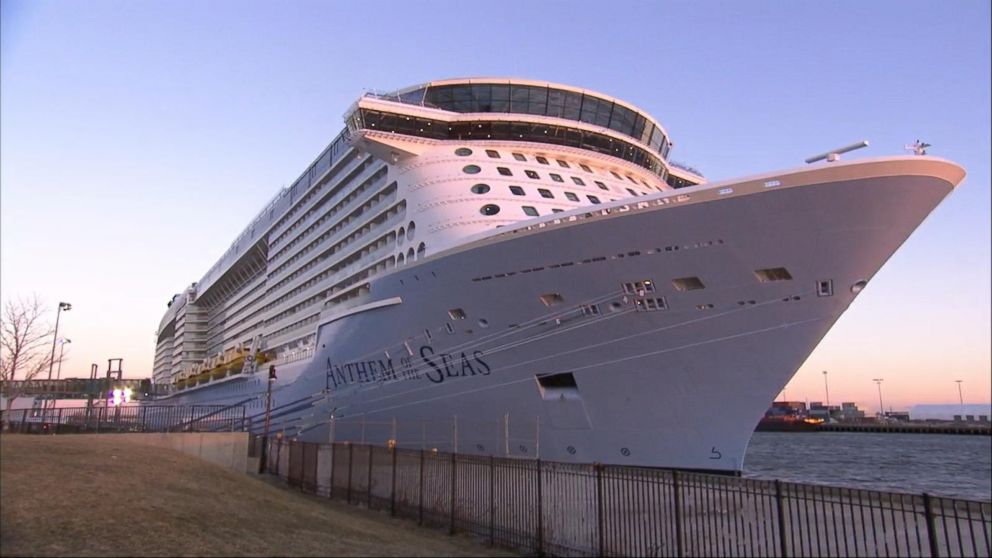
[[471, 169], [421, 250], [410, 230], [400, 235], [463, 152], [489, 209], [480, 189]]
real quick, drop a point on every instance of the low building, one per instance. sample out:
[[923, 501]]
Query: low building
[[979, 412]]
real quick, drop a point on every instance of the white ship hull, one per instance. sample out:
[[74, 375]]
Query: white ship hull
[[682, 386]]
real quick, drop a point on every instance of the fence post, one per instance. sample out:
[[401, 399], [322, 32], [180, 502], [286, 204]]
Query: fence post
[[24, 418], [492, 500], [58, 422], [677, 498], [330, 481], [143, 412], [420, 493], [540, 512], [351, 455], [931, 527], [392, 489], [599, 506], [451, 526], [368, 484], [780, 510], [263, 457]]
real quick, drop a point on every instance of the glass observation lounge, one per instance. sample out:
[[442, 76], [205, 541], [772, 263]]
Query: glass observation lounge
[[543, 100], [367, 119]]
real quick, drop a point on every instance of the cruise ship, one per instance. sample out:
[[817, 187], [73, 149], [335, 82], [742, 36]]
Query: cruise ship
[[516, 267]]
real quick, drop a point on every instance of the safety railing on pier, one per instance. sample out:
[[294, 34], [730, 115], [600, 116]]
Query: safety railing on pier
[[128, 418], [565, 509]]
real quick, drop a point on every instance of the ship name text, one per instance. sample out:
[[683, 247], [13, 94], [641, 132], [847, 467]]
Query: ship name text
[[433, 366]]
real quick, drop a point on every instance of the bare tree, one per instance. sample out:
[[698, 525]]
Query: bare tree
[[24, 340]]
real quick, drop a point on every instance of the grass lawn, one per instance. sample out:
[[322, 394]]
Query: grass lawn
[[101, 495]]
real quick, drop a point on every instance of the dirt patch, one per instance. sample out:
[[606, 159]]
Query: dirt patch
[[100, 495]]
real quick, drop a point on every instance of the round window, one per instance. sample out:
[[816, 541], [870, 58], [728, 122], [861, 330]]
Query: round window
[[471, 169], [489, 209], [463, 152], [480, 188]]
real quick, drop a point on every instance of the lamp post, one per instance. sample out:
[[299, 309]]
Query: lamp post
[[62, 344], [960, 397], [51, 363], [881, 408], [826, 388]]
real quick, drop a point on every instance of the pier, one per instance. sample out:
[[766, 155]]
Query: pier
[[970, 429]]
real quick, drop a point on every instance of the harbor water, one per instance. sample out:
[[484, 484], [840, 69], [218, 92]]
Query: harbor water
[[940, 464]]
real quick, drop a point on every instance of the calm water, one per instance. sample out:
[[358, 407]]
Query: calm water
[[944, 465]]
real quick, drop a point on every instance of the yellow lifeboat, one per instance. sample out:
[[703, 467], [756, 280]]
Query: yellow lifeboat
[[237, 363]]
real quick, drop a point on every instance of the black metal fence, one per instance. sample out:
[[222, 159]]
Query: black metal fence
[[567, 509], [128, 418]]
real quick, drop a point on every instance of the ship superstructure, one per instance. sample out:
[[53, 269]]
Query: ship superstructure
[[511, 256]]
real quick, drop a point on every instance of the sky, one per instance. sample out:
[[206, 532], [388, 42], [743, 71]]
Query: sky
[[138, 138]]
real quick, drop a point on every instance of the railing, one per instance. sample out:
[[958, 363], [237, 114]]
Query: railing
[[597, 510], [131, 418]]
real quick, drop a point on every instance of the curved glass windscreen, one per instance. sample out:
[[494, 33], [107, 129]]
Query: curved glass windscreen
[[508, 131], [541, 101]]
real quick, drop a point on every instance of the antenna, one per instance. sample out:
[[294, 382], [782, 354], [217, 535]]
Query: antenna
[[834, 154], [918, 148]]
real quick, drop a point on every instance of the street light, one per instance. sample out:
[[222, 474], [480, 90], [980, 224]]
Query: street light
[[960, 397], [827, 389], [51, 363], [881, 408], [62, 343]]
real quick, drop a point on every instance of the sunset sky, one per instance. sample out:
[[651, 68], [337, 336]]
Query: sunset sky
[[139, 138]]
